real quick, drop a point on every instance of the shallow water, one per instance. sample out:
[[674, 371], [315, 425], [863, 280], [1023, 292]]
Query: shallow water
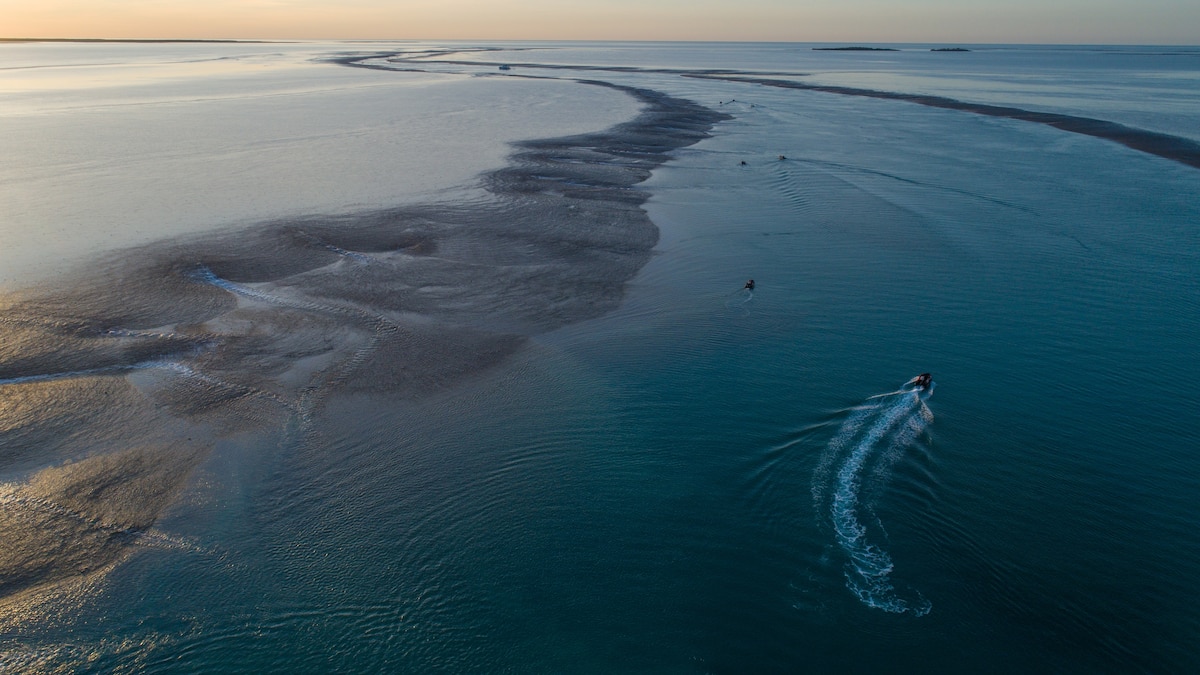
[[500, 435], [115, 145]]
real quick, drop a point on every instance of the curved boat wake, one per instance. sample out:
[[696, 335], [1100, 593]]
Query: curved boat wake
[[738, 300], [870, 441]]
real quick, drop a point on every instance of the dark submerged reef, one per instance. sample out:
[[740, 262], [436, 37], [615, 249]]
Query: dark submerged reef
[[133, 370]]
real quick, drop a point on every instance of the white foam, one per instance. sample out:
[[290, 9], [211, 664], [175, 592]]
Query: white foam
[[876, 434]]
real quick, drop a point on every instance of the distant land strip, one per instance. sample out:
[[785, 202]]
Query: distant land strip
[[135, 40], [1175, 148], [854, 49]]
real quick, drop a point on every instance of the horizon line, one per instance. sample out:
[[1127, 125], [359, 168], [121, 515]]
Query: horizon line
[[642, 41]]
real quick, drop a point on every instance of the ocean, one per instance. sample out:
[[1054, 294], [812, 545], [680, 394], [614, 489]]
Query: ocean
[[418, 357]]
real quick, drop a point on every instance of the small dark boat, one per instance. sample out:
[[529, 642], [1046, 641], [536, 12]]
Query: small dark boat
[[922, 381], [749, 285]]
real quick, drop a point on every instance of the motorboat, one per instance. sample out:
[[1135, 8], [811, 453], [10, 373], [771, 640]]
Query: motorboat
[[921, 382]]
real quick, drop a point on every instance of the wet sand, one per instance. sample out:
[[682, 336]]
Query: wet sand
[[108, 378]]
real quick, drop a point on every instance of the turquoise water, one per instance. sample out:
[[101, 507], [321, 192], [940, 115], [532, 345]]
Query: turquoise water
[[711, 480]]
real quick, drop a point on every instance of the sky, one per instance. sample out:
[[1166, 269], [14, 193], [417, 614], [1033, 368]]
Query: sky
[[1164, 22]]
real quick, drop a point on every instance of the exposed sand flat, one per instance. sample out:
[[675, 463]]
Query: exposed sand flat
[[236, 329]]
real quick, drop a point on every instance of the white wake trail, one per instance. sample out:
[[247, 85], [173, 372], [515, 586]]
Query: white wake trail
[[875, 434]]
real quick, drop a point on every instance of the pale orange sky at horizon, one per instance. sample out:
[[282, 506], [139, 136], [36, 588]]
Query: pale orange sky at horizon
[[935, 21]]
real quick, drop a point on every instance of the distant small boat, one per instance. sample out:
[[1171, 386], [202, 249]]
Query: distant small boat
[[505, 68]]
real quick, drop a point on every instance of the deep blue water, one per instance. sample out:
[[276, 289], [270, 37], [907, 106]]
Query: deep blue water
[[710, 480]]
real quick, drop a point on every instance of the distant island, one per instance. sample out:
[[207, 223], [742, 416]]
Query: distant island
[[854, 49], [949, 49]]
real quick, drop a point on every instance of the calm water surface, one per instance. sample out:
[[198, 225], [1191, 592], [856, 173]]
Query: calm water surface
[[703, 479]]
